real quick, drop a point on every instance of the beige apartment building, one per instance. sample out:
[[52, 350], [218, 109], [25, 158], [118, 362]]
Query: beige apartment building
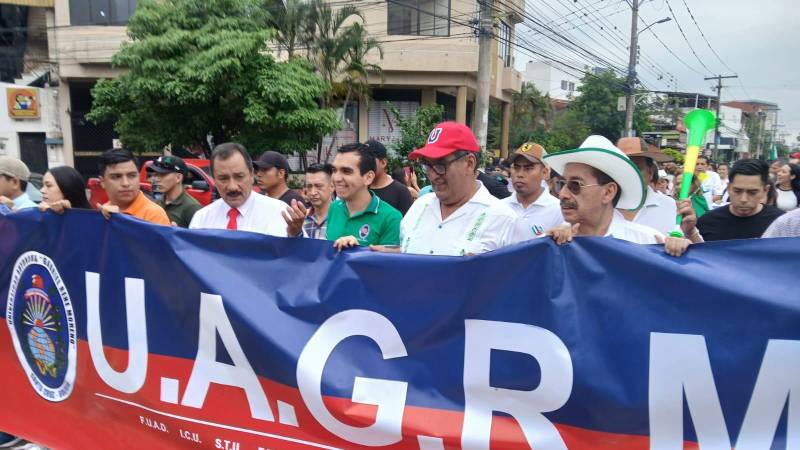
[[430, 55]]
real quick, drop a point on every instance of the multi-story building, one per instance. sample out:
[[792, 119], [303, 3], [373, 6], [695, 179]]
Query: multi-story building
[[549, 80], [430, 55]]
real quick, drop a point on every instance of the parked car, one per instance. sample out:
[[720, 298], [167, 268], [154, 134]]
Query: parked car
[[198, 183]]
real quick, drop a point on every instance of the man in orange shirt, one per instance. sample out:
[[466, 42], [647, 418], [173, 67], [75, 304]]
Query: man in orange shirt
[[119, 176]]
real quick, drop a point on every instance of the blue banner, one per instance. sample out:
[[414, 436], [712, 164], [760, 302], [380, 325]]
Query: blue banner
[[122, 334]]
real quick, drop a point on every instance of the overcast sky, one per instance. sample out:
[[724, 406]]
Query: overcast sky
[[758, 39]]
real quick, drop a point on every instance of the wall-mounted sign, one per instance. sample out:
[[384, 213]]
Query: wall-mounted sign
[[23, 103]]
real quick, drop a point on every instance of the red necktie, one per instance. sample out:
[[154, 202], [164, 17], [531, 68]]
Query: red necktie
[[233, 213]]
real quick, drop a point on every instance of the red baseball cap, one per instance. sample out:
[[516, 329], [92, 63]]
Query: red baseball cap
[[447, 138], [795, 155]]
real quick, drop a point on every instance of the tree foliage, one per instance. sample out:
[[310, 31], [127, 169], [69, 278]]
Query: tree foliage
[[596, 106], [200, 67], [414, 130]]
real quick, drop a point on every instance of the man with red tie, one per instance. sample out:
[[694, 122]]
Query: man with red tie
[[239, 208]]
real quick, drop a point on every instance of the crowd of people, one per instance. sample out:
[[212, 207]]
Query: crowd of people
[[627, 190]]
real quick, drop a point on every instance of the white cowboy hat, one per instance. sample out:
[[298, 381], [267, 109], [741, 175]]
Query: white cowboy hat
[[600, 153]]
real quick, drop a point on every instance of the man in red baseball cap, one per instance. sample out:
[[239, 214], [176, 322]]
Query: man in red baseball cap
[[462, 217]]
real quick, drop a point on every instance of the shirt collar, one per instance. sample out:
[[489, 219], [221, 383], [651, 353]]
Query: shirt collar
[[372, 208], [136, 205], [179, 200], [482, 197], [650, 200], [542, 200], [22, 200], [246, 206]]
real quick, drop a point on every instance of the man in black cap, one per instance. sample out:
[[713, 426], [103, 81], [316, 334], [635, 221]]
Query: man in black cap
[[272, 172], [168, 173], [385, 187]]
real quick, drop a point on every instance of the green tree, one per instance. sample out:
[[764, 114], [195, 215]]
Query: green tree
[[200, 67], [596, 106], [414, 130], [291, 20], [530, 111]]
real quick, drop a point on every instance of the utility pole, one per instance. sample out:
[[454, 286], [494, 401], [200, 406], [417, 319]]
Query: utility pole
[[485, 38], [630, 98], [719, 79]]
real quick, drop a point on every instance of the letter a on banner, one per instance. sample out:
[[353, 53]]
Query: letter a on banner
[[208, 370]]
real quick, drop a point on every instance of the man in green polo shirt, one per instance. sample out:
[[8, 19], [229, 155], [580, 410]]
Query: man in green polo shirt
[[358, 216], [169, 172]]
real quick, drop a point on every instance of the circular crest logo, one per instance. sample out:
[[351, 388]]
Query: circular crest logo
[[42, 325], [363, 232]]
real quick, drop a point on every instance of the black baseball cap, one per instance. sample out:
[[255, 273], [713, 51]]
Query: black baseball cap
[[270, 159], [169, 164]]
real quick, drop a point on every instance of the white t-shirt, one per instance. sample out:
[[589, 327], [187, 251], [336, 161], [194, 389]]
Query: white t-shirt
[[541, 215], [481, 225], [259, 214], [711, 186], [631, 232], [659, 212], [786, 200]]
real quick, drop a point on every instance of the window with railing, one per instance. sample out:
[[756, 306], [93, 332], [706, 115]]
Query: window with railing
[[505, 44], [418, 17], [101, 12]]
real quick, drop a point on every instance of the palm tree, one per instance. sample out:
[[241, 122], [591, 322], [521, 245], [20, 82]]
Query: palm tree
[[357, 69], [292, 22], [330, 47]]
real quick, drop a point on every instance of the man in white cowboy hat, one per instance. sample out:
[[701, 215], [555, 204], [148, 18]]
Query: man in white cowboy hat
[[462, 218], [531, 198], [598, 178]]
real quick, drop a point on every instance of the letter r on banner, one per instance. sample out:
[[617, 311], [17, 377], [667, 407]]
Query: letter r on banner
[[481, 399]]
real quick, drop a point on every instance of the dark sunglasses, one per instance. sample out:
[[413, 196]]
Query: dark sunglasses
[[574, 186]]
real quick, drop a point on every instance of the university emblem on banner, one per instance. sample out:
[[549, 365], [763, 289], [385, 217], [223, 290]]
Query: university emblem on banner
[[42, 325]]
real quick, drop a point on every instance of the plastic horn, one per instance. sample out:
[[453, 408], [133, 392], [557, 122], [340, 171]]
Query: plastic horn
[[698, 123]]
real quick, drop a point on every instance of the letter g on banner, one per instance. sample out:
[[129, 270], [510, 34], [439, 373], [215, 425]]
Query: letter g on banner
[[389, 396]]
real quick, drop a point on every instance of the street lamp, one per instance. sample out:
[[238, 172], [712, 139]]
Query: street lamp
[[629, 98], [665, 19]]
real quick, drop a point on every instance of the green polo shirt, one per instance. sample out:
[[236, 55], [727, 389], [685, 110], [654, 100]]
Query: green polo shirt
[[181, 210], [379, 224]]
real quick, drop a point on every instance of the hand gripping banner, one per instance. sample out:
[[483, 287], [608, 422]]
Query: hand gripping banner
[[125, 335]]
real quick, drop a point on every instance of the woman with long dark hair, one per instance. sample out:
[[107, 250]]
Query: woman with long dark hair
[[63, 187], [787, 185]]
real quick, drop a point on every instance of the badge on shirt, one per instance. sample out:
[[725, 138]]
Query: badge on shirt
[[363, 232], [538, 230]]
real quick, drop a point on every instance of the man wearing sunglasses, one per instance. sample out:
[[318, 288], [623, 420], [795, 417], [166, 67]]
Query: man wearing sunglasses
[[462, 218], [598, 178], [531, 199]]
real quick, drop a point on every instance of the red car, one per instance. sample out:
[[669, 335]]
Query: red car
[[198, 183]]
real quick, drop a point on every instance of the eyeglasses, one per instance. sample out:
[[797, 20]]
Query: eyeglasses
[[439, 167], [574, 186]]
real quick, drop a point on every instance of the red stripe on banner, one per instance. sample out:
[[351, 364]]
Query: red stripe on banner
[[96, 416]]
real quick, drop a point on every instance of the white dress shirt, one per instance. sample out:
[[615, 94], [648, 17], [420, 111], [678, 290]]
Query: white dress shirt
[[259, 214], [659, 212], [631, 232], [541, 215], [481, 225]]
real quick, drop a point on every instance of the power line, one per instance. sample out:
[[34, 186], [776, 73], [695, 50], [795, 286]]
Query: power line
[[685, 39], [704, 37]]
